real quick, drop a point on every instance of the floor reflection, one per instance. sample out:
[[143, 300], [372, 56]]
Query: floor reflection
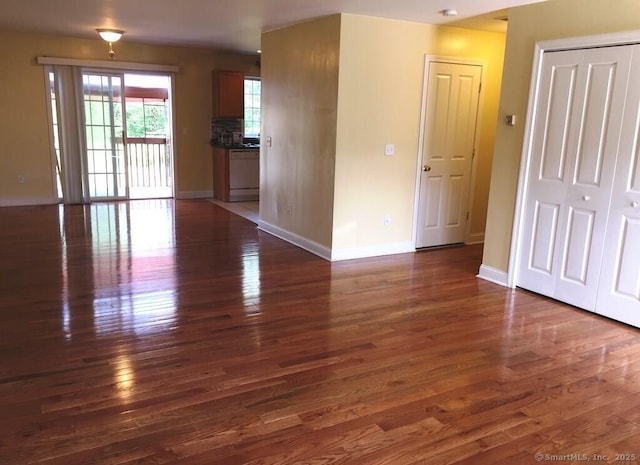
[[130, 270], [124, 375], [66, 321], [250, 274]]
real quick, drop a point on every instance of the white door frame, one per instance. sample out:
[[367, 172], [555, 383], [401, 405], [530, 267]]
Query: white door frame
[[123, 67], [622, 38], [423, 114], [86, 184]]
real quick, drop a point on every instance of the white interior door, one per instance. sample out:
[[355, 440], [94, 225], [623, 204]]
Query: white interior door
[[576, 132], [619, 290], [449, 128], [104, 118]]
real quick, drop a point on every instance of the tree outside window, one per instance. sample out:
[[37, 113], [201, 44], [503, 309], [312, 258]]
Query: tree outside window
[[252, 87]]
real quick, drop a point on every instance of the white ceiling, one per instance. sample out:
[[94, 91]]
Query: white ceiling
[[228, 24]]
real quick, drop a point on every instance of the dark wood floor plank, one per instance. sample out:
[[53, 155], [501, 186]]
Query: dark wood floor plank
[[174, 332]]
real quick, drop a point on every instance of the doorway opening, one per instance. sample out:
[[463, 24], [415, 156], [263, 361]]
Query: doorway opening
[[148, 111], [124, 149]]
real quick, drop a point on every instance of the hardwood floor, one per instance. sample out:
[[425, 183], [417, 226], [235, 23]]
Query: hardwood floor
[[156, 332], [249, 210]]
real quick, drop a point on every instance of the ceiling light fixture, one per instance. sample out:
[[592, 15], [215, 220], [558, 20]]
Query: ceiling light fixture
[[110, 36], [449, 12]]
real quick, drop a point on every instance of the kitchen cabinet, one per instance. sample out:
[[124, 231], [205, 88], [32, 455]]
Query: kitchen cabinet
[[221, 174], [236, 174], [228, 94]]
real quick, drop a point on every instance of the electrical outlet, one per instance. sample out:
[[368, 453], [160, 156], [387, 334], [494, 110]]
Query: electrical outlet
[[387, 220], [20, 179], [389, 150]]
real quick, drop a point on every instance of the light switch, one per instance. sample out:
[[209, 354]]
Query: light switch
[[389, 149]]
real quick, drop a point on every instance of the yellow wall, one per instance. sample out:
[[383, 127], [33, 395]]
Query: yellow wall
[[553, 19], [335, 91], [299, 101], [381, 70], [24, 137], [380, 92], [490, 48]]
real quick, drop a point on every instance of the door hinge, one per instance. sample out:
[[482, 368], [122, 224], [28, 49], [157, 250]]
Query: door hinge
[[467, 216], [480, 88]]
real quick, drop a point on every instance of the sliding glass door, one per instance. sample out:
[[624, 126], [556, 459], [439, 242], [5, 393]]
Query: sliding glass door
[[111, 134], [104, 122]]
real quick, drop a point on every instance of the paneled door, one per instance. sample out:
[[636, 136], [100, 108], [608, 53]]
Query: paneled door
[[104, 122], [579, 115], [449, 130], [619, 290]]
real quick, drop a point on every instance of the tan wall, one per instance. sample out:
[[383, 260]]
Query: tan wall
[[490, 48], [24, 137], [381, 70], [553, 19], [299, 101], [380, 92]]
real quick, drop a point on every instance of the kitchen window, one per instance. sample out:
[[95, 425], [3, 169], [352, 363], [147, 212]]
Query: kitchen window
[[252, 106]]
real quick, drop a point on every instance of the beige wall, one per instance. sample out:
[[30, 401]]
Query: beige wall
[[24, 137], [380, 91], [490, 48], [381, 69], [553, 19], [299, 103], [337, 90]]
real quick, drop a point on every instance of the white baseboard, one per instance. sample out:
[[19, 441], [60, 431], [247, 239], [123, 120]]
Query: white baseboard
[[475, 238], [336, 254], [493, 275], [350, 253], [194, 195], [28, 201], [297, 240]]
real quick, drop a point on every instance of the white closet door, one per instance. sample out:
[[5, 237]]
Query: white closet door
[[619, 290], [574, 148]]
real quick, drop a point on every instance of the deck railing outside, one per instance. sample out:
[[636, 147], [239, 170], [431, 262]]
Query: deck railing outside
[[149, 167]]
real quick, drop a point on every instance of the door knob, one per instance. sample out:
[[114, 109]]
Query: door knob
[[586, 197], [635, 204], [426, 168]]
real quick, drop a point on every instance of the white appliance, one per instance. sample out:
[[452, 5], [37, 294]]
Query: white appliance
[[244, 174]]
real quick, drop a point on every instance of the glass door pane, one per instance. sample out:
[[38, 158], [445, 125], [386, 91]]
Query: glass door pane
[[149, 135], [106, 155]]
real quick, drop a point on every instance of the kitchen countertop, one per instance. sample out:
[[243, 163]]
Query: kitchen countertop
[[235, 146]]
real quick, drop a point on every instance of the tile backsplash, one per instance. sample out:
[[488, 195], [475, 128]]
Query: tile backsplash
[[221, 126]]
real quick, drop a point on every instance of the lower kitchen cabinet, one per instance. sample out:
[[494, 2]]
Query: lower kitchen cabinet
[[236, 174], [221, 174]]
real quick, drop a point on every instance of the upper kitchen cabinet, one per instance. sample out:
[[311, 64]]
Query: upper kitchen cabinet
[[228, 94]]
